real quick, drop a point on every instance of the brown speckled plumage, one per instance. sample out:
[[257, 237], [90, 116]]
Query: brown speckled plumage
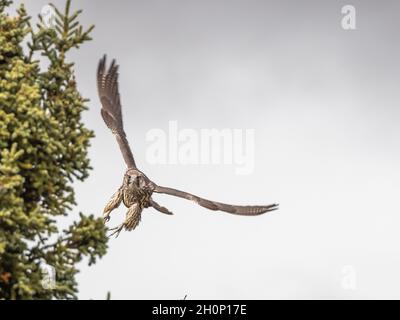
[[136, 190]]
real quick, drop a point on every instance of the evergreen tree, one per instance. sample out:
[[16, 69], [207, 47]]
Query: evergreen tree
[[43, 149]]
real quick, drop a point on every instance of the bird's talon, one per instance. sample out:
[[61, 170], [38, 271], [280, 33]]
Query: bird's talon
[[116, 231]]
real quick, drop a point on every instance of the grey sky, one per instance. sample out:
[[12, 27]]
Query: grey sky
[[324, 105]]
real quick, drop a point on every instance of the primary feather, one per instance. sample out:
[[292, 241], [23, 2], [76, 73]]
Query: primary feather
[[111, 112]]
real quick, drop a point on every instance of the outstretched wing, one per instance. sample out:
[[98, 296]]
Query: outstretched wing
[[107, 85], [213, 205]]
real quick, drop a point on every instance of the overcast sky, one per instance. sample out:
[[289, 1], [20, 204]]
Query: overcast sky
[[324, 106]]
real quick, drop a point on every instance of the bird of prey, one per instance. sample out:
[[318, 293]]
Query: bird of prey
[[137, 189]]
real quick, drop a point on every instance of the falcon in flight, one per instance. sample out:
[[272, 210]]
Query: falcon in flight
[[137, 189]]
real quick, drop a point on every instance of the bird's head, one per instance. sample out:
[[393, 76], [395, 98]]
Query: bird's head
[[132, 178]]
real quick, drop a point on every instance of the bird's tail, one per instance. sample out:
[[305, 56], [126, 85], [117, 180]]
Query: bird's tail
[[133, 217]]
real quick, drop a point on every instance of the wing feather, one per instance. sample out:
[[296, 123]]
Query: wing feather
[[111, 112], [213, 205]]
